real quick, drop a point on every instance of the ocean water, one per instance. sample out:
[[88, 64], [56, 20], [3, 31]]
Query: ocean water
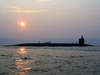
[[49, 60]]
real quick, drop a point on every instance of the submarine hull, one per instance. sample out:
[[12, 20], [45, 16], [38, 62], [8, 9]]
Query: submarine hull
[[50, 44]]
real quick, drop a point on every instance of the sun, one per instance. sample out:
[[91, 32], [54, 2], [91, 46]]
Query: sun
[[22, 23]]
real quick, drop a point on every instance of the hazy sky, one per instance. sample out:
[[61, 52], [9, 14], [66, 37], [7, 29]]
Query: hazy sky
[[49, 20]]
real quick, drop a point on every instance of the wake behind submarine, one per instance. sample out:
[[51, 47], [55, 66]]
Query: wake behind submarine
[[48, 44]]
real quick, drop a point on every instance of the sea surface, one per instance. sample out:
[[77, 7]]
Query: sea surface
[[49, 60]]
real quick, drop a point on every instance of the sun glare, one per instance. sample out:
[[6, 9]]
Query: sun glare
[[22, 23]]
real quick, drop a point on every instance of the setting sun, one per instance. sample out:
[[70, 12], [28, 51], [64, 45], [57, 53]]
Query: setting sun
[[22, 23]]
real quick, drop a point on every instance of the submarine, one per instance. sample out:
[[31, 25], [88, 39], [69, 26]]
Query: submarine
[[48, 44]]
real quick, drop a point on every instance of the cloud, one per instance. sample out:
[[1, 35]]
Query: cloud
[[42, 0], [26, 11], [12, 7], [19, 10]]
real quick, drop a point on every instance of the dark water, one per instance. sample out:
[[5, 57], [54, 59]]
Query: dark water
[[50, 60]]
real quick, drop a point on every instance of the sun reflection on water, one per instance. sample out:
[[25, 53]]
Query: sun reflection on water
[[22, 62], [22, 50]]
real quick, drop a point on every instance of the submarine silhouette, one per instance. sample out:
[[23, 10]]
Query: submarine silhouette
[[81, 43]]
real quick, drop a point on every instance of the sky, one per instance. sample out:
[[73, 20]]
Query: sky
[[61, 21]]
